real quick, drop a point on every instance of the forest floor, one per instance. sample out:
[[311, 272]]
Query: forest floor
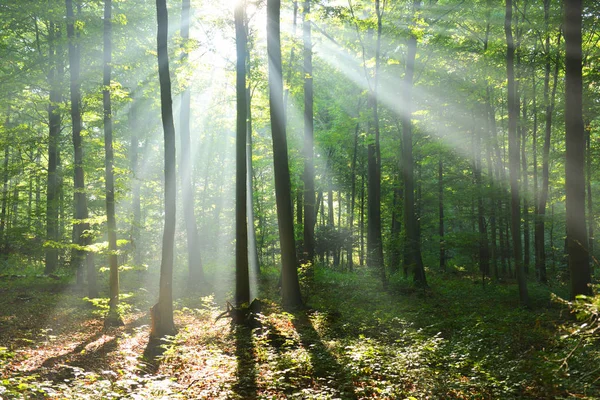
[[353, 341]]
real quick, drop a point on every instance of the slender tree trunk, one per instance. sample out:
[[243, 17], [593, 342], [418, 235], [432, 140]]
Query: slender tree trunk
[[290, 290], [362, 217], [309, 168], [412, 243], [195, 270], [534, 151], [352, 200], [514, 156], [113, 317], [135, 185], [253, 262], [441, 213], [484, 250], [549, 101], [242, 279], [525, 187], [79, 194], [5, 176], [162, 312], [590, 207], [53, 139], [575, 149], [374, 239], [395, 230]]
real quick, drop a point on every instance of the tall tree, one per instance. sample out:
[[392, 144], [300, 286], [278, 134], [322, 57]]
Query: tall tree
[[577, 245], [514, 158], [52, 198], [549, 100], [290, 287], [309, 168], [162, 312], [374, 239], [242, 282], [80, 198], [195, 270], [412, 243], [113, 317]]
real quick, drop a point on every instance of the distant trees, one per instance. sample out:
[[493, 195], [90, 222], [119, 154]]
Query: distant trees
[[196, 272]]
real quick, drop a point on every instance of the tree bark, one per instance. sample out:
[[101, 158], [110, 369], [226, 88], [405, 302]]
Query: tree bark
[[290, 290], [412, 243], [577, 245], [80, 198], [374, 239], [242, 278], [590, 208], [113, 317], [162, 312], [309, 168], [549, 101], [53, 139], [513, 115]]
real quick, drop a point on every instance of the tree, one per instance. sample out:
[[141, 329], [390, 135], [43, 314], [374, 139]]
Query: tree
[[80, 197], [242, 282], [309, 168], [577, 245], [549, 100], [162, 311], [412, 244], [52, 196], [374, 239], [196, 272], [113, 317], [290, 287], [513, 150]]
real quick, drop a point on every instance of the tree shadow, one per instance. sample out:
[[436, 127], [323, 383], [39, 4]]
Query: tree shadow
[[61, 367], [245, 386], [326, 367]]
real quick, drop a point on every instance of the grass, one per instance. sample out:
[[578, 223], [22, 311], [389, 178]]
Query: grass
[[353, 341]]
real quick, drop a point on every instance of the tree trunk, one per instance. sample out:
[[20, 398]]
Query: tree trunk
[[374, 239], [412, 243], [309, 168], [590, 207], [575, 150], [549, 100], [484, 249], [5, 176], [113, 317], [350, 243], [242, 279], [441, 212], [525, 188], [80, 198], [513, 115], [135, 185], [162, 312], [290, 290], [253, 262], [195, 270], [53, 139]]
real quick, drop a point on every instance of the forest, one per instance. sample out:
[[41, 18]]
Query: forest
[[303, 199]]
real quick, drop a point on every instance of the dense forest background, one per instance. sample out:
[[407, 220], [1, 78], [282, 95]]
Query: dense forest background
[[414, 182]]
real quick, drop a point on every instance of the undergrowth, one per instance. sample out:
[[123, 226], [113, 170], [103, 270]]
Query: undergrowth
[[457, 339]]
